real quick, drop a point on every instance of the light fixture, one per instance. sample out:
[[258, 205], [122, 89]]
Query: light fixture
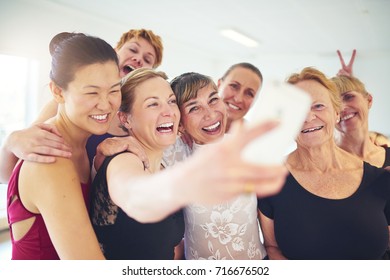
[[239, 38]]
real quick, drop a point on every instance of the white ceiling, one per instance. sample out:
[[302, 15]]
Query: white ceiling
[[283, 27], [292, 34]]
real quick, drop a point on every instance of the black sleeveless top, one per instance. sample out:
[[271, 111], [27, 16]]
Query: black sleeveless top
[[123, 238], [310, 227]]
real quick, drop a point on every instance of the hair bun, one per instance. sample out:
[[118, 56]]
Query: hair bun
[[59, 38]]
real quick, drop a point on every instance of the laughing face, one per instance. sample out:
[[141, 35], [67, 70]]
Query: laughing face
[[354, 114], [154, 118], [136, 53], [93, 97], [320, 121], [238, 91], [204, 117]]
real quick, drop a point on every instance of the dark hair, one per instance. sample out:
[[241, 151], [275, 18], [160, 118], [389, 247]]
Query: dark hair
[[71, 51], [245, 65], [187, 85]]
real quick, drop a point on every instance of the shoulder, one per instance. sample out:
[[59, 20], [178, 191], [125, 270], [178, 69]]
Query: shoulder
[[126, 161]]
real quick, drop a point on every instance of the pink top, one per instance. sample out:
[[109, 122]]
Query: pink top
[[36, 244]]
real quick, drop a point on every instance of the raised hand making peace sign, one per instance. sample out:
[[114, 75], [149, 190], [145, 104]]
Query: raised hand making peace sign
[[346, 70]]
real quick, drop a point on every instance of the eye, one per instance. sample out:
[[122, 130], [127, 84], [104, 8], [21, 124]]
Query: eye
[[134, 50], [250, 93], [348, 97], [115, 91], [234, 86], [318, 107], [172, 101], [92, 93], [148, 60], [154, 104], [214, 100], [193, 109]]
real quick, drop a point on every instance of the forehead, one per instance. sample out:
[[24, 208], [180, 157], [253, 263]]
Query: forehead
[[104, 74], [315, 89], [153, 87], [202, 93], [244, 76], [142, 43]]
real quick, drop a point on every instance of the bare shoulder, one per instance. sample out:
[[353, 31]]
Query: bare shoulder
[[126, 162]]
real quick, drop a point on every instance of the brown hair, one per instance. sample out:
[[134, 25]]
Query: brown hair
[[187, 85]]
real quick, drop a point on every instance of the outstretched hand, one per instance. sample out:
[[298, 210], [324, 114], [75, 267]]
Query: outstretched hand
[[40, 143], [346, 70], [218, 172]]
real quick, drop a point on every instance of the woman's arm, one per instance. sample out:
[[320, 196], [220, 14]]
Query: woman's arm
[[270, 244], [215, 173], [40, 143], [54, 190]]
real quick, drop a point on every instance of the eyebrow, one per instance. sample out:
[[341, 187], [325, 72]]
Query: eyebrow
[[195, 101], [156, 97], [93, 86], [148, 53]]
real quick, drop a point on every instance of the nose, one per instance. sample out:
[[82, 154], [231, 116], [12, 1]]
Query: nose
[[238, 97], [104, 102], [310, 116], [138, 61], [168, 110], [209, 113]]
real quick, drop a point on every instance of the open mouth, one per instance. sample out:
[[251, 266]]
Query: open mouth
[[165, 128], [234, 107], [127, 69], [212, 128], [100, 117], [312, 129], [347, 117]]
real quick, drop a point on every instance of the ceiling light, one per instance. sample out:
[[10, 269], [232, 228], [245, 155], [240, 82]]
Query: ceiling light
[[239, 38]]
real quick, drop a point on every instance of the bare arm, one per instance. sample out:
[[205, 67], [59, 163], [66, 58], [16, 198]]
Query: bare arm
[[39, 143], [217, 173], [54, 191], [270, 244]]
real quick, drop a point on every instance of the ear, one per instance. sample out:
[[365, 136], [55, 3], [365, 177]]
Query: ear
[[369, 98], [57, 93], [219, 83], [124, 119], [181, 128], [337, 117]]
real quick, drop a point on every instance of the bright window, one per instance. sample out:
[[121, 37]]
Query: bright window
[[18, 80]]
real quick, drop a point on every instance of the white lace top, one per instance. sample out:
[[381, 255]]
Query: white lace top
[[226, 231]]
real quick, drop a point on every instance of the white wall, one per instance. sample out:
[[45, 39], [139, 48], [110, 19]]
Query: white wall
[[26, 28]]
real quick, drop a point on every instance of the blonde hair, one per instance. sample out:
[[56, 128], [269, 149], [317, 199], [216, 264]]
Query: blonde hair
[[379, 139], [310, 73], [149, 36], [346, 83]]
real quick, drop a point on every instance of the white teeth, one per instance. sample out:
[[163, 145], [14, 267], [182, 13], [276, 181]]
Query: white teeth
[[312, 129], [165, 125], [347, 117], [99, 117], [233, 106], [212, 127]]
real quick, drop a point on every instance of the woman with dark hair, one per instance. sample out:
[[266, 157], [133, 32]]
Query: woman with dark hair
[[48, 203]]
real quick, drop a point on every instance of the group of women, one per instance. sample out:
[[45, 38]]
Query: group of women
[[153, 189]]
